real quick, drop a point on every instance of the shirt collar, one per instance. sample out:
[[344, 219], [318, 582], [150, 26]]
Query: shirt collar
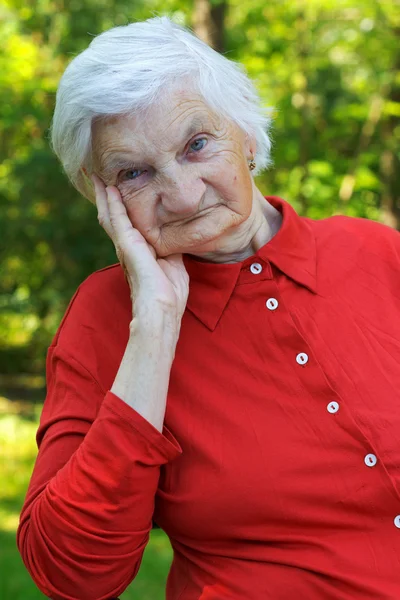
[[292, 250]]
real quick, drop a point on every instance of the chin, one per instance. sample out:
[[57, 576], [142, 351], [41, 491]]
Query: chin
[[202, 235], [213, 243]]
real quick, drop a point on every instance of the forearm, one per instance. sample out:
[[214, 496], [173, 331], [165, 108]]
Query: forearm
[[143, 376], [83, 530]]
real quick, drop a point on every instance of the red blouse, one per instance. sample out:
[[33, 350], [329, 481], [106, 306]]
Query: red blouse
[[277, 473]]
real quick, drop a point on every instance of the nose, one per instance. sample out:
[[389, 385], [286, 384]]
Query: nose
[[182, 191]]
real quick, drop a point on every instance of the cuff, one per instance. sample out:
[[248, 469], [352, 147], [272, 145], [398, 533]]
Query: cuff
[[165, 442]]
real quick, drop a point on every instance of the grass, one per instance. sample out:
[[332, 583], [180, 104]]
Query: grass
[[18, 425]]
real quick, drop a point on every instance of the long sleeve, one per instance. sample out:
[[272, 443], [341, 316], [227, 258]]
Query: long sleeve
[[88, 510]]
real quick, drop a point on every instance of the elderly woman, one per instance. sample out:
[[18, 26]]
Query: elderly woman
[[235, 377]]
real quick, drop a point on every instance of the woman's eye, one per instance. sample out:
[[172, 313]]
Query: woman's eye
[[132, 174], [198, 144]]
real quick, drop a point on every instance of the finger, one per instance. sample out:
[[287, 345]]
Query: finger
[[103, 205], [103, 213], [128, 239], [119, 219]]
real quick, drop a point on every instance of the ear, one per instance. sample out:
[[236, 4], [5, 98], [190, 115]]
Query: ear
[[250, 146]]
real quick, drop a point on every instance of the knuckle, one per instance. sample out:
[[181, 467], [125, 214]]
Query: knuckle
[[120, 253], [101, 220], [114, 219]]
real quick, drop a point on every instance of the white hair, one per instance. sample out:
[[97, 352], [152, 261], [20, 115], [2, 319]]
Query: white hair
[[122, 72]]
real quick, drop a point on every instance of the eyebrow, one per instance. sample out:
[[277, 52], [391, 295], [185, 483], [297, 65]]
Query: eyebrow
[[123, 159]]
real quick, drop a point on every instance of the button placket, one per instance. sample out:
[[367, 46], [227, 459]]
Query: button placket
[[312, 376]]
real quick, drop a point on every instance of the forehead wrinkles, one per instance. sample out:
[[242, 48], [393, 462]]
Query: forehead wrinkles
[[168, 124], [145, 140], [142, 146]]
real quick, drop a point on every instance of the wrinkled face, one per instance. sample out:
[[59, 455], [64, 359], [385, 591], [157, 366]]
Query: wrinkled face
[[182, 173]]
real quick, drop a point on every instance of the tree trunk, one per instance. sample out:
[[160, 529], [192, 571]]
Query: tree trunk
[[208, 22], [389, 163], [303, 28]]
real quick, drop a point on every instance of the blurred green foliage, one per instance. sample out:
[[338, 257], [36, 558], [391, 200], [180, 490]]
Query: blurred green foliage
[[329, 69]]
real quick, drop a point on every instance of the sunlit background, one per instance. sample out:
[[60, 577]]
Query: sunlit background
[[329, 69]]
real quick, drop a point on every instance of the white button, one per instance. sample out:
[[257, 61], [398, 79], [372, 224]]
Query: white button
[[272, 303], [397, 521], [333, 407], [370, 460], [256, 268], [302, 358]]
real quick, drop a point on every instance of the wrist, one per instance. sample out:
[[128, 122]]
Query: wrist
[[154, 331]]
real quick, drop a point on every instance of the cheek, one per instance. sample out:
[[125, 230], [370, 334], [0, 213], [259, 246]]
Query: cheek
[[239, 191], [234, 182], [230, 168], [140, 215], [145, 221]]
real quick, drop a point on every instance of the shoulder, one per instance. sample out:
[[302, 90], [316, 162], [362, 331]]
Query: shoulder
[[354, 226], [354, 234], [356, 253], [104, 284], [100, 301]]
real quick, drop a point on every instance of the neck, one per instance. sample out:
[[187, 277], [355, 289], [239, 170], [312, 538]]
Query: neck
[[260, 227]]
